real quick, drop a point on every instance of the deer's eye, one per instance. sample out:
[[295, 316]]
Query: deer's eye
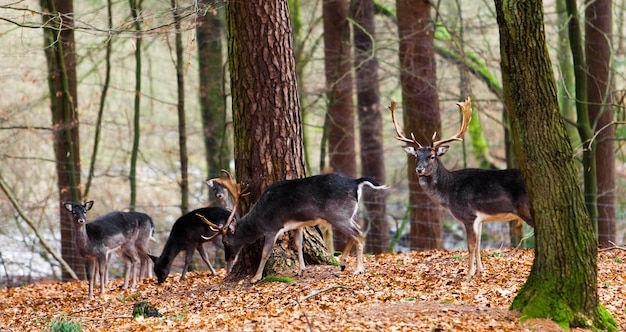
[[432, 157]]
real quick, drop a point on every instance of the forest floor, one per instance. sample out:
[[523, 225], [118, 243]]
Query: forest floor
[[417, 291]]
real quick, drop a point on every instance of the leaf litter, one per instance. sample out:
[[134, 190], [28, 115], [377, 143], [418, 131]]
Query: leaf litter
[[416, 291]]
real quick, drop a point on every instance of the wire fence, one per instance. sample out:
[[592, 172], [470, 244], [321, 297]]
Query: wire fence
[[23, 260]]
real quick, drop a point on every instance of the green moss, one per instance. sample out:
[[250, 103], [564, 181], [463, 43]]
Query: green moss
[[546, 304], [605, 320], [279, 279]]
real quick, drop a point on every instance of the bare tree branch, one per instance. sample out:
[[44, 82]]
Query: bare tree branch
[[31, 224]]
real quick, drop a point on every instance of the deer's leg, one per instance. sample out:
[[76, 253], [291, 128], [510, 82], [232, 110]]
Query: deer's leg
[[265, 255], [102, 269], [359, 256], [478, 227], [188, 258], [471, 247], [298, 239], [202, 251], [91, 274], [346, 252]]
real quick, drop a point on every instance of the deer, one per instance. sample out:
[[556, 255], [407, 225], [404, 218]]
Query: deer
[[186, 235], [472, 196], [126, 233], [292, 205]]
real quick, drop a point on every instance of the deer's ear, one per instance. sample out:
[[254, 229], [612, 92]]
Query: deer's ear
[[441, 150], [67, 206], [88, 205], [410, 150], [232, 227]]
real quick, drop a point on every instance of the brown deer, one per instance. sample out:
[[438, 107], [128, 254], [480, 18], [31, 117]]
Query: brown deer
[[291, 205], [471, 195]]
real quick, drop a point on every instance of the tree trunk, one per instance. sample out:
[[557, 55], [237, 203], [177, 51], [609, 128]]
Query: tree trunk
[[420, 102], [180, 106], [211, 75], [583, 123], [267, 123], [101, 104], [135, 10], [598, 36], [61, 65], [339, 122], [370, 124], [562, 284]]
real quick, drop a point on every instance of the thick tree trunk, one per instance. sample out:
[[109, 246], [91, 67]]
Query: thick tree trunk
[[420, 103], [562, 283], [339, 122], [267, 123], [370, 125], [61, 61], [598, 46]]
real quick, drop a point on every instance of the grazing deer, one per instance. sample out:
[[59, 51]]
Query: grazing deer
[[292, 205], [127, 233], [187, 235], [471, 195], [187, 231]]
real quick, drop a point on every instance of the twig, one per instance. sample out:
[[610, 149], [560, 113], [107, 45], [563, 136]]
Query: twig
[[308, 322], [5, 188], [320, 292], [613, 246]]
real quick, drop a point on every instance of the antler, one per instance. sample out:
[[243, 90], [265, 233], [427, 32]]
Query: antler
[[466, 108], [237, 192], [399, 133]]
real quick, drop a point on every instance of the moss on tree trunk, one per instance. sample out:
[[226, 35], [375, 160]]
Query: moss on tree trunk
[[562, 284]]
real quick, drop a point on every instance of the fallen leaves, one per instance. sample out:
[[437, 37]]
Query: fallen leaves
[[425, 291]]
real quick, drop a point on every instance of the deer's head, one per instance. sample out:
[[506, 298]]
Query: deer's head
[[79, 211], [236, 191], [427, 156]]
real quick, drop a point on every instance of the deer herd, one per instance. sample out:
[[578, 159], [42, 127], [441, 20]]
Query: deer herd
[[472, 196]]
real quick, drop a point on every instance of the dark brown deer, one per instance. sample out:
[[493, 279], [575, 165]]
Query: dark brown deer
[[471, 195], [126, 233], [292, 205]]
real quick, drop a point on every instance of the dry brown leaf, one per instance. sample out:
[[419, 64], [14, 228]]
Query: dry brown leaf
[[398, 292]]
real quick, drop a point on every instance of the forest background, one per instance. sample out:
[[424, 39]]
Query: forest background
[[28, 166]]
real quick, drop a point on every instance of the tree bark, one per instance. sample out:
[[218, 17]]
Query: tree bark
[[61, 64], [339, 121], [370, 124], [267, 124], [420, 102], [180, 106], [135, 10], [209, 33], [598, 45], [562, 284]]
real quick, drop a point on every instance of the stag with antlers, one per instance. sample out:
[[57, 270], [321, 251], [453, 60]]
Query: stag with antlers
[[471, 195], [292, 205]]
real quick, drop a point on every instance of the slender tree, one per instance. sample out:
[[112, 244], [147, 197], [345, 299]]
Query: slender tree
[[339, 121], [370, 123], [267, 124], [61, 64], [562, 284], [598, 52], [135, 10], [585, 130], [209, 34], [103, 96], [180, 106], [420, 102]]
